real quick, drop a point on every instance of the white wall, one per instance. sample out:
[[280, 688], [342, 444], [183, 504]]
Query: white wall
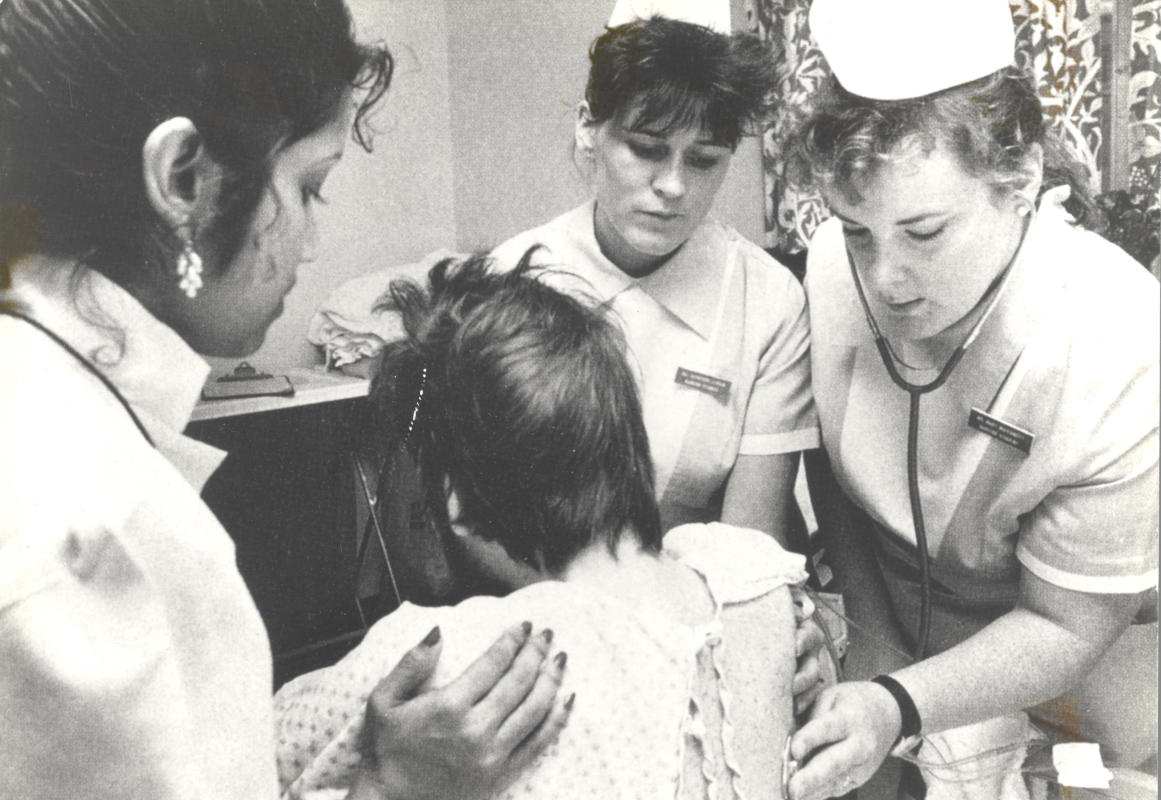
[[474, 145], [517, 71]]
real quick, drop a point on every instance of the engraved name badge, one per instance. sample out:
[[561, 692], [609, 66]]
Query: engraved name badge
[[715, 387], [1006, 432]]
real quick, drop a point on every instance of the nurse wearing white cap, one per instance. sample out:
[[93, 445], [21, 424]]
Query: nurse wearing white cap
[[986, 377]]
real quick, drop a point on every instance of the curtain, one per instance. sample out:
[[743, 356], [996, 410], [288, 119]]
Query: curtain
[[1062, 44]]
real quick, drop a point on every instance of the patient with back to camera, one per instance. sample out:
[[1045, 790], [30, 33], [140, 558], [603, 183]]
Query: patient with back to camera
[[523, 415]]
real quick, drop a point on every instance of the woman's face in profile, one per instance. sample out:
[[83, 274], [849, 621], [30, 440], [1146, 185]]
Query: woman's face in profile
[[237, 307], [652, 188], [927, 239]]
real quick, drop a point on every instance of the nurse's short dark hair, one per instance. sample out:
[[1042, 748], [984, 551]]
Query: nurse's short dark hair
[[677, 74], [84, 82], [989, 125], [521, 399]]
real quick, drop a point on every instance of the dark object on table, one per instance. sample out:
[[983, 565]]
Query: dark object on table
[[246, 381]]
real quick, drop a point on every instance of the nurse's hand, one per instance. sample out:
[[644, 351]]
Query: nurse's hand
[[850, 733], [472, 736], [809, 649]]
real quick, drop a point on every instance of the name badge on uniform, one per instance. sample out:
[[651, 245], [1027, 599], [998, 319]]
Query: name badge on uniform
[[1006, 432], [715, 387]]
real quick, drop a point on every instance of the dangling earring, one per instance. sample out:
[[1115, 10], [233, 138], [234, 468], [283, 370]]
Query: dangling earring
[[189, 267]]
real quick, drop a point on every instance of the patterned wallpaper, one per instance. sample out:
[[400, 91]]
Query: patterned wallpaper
[[1060, 42]]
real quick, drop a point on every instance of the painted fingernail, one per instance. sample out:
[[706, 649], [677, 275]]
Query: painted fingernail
[[568, 703], [561, 659], [546, 635], [527, 626], [431, 638]]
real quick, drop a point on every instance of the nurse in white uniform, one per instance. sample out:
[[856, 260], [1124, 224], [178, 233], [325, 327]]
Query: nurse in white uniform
[[716, 329], [986, 374]]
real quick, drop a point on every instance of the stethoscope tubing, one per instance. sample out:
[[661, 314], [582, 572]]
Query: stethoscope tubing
[[915, 392], [84, 362]]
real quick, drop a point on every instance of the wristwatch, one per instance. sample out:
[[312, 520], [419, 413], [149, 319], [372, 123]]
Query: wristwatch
[[910, 723]]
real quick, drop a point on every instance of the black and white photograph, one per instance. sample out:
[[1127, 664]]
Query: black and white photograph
[[574, 399]]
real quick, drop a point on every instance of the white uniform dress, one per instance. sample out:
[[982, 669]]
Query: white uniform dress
[[1070, 354], [719, 341], [133, 663]]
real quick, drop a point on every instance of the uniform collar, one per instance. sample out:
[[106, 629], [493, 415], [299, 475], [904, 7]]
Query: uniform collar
[[153, 368], [687, 285], [1027, 298], [690, 282]]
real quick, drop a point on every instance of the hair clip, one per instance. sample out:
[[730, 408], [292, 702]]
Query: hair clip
[[415, 408]]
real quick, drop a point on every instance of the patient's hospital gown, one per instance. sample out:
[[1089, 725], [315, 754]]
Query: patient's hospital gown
[[662, 709]]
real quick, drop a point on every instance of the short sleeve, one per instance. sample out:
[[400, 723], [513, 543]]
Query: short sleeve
[[1098, 531], [780, 417]]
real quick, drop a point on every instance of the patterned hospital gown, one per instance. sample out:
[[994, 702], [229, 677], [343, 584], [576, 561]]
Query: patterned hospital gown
[[662, 709]]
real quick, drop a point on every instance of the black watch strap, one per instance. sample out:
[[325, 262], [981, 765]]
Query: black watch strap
[[908, 713]]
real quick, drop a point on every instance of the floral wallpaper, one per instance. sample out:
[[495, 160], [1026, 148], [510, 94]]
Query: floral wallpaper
[[1059, 42], [791, 216]]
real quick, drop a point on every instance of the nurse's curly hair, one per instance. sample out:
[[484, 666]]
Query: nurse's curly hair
[[518, 397], [678, 74], [989, 124]]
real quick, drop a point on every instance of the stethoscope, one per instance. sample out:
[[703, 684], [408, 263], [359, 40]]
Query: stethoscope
[[916, 391]]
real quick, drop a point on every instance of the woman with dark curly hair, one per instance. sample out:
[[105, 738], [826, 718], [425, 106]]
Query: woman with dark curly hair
[[986, 374], [159, 165]]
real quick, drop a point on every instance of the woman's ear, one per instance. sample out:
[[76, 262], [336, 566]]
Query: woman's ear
[[1032, 176], [586, 133], [181, 179]]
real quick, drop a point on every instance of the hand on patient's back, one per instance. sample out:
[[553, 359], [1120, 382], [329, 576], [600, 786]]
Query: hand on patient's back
[[470, 737]]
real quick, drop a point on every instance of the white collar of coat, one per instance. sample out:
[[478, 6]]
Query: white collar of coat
[[157, 372]]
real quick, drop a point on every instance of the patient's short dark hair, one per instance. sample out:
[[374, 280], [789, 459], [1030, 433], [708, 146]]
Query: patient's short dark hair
[[520, 398]]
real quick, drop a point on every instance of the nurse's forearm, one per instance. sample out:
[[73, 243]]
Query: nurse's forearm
[[1029, 655], [1020, 660], [759, 492]]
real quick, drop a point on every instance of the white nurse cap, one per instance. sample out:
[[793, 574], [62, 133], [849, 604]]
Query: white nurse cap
[[896, 49], [713, 14]]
